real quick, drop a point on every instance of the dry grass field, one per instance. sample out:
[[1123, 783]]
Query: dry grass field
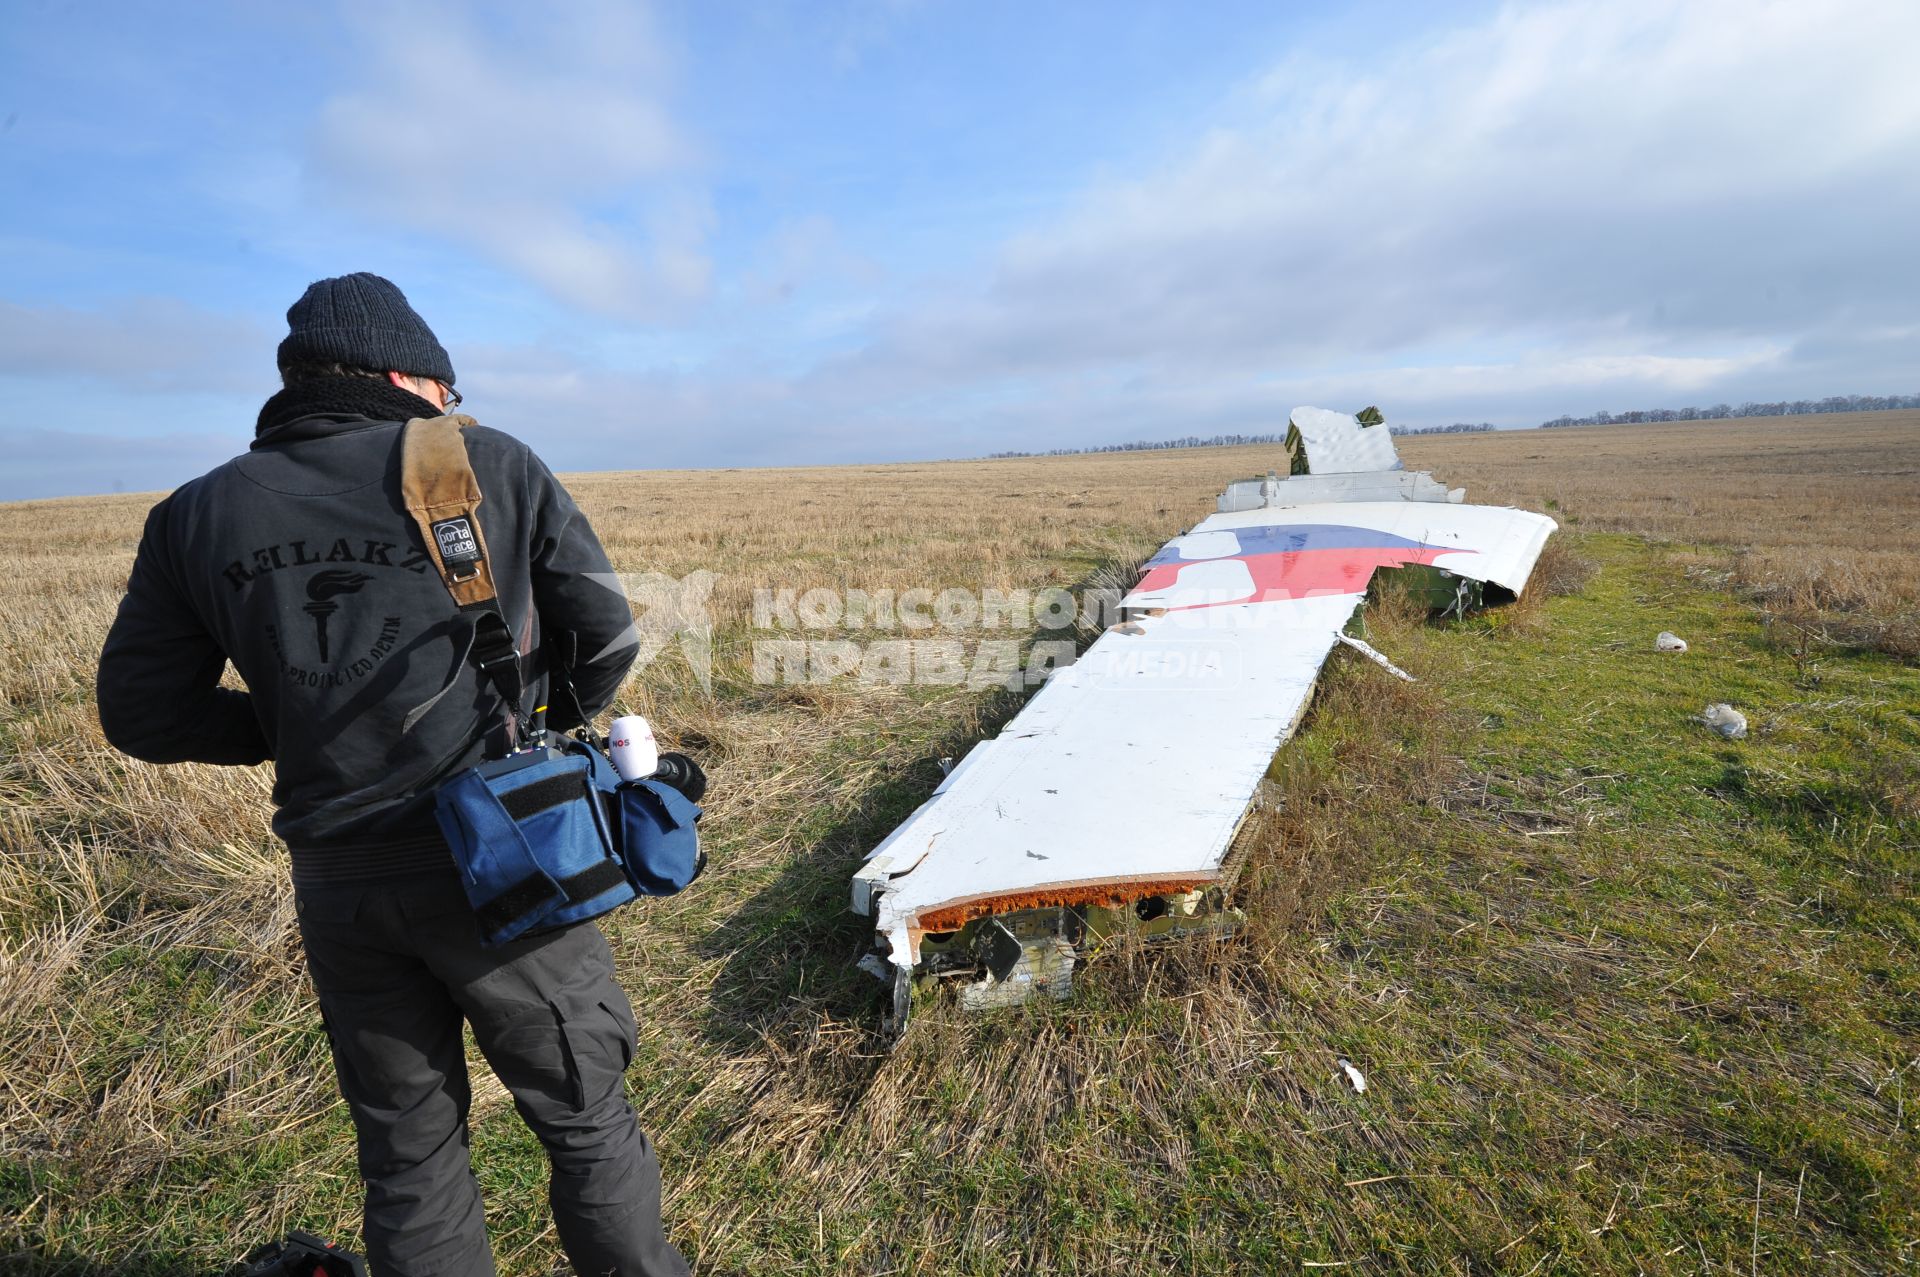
[[1632, 998]]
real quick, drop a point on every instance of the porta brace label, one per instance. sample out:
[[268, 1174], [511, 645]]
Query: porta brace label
[[459, 548]]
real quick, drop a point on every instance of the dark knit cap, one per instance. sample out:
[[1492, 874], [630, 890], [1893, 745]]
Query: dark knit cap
[[364, 321]]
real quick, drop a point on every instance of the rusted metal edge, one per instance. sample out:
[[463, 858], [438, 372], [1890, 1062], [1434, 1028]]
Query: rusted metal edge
[[1109, 892]]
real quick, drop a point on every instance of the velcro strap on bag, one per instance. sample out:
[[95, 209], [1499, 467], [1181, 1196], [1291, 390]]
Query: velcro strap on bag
[[508, 889], [532, 842]]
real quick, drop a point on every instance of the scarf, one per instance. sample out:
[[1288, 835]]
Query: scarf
[[343, 396]]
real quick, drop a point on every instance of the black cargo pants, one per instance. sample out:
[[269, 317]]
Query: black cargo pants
[[398, 966]]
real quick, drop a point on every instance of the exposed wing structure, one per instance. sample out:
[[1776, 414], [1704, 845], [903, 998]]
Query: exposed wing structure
[[1114, 796]]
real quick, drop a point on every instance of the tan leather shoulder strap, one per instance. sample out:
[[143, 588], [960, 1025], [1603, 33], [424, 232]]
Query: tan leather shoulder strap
[[438, 486], [443, 496]]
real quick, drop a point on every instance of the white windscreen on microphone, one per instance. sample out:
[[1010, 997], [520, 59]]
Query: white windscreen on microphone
[[630, 741]]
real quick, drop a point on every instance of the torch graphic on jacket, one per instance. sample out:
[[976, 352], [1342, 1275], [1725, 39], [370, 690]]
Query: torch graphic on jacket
[[322, 588]]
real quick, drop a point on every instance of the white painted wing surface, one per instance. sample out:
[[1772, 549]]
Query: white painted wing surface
[[1136, 764], [1133, 764]]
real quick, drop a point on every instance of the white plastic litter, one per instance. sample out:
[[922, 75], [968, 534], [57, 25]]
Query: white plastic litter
[[1354, 1076], [1371, 654], [1668, 641], [1726, 720]]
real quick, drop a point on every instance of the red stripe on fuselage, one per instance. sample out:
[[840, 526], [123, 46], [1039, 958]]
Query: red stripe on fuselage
[[1300, 573]]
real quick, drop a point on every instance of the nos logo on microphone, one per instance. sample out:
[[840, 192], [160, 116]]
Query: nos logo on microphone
[[458, 546]]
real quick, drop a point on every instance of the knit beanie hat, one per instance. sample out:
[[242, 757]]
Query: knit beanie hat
[[364, 321]]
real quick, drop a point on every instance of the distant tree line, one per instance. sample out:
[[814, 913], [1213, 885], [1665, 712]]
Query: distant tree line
[[1232, 441], [1189, 441], [1722, 412], [1457, 428]]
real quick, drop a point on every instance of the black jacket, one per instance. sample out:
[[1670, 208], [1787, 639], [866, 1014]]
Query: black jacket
[[298, 563]]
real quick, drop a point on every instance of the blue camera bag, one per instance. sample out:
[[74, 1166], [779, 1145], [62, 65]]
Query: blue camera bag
[[553, 836], [531, 835]]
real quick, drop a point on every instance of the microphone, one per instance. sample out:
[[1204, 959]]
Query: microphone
[[630, 741], [636, 756]]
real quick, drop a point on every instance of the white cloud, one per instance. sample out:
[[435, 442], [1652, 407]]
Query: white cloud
[[548, 147], [1599, 180], [137, 343], [805, 251], [858, 28], [1631, 374]]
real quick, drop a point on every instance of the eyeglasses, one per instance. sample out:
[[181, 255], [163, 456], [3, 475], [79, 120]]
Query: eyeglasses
[[450, 395]]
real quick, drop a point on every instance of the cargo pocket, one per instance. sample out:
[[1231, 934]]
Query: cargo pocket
[[342, 1071], [599, 1041]]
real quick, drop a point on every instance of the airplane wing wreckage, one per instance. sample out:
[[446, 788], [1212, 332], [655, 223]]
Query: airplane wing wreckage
[[1112, 801]]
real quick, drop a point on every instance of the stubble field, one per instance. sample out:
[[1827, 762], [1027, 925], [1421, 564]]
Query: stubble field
[[1631, 997]]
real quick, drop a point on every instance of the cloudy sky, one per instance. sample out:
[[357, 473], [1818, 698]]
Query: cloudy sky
[[719, 234]]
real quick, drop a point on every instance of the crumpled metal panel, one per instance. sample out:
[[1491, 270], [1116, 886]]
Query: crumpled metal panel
[[1337, 443]]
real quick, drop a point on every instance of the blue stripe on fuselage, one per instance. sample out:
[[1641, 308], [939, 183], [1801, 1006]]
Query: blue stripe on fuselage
[[1291, 538]]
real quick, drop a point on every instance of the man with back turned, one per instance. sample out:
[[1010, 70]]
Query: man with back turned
[[298, 563]]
